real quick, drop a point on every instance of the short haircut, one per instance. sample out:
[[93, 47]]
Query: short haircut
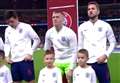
[[95, 3], [10, 14], [2, 54], [58, 11], [84, 51], [47, 52]]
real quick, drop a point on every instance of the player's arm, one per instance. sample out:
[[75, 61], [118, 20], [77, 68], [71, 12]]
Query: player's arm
[[59, 80], [9, 76], [73, 46], [80, 38], [48, 43], [74, 78], [7, 47], [93, 77], [33, 35], [40, 78], [112, 41]]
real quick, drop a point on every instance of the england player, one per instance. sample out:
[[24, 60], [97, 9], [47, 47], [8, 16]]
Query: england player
[[50, 73], [83, 73], [18, 48], [5, 74], [64, 42], [93, 36]]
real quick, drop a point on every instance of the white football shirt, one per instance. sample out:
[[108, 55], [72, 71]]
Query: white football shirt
[[48, 75], [64, 43], [84, 75], [18, 42], [93, 37], [5, 75]]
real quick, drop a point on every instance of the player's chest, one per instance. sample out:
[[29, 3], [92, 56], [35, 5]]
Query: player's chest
[[51, 77], [16, 34], [83, 75], [94, 32], [59, 37]]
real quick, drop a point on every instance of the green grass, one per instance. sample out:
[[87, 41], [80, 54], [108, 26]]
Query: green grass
[[114, 65]]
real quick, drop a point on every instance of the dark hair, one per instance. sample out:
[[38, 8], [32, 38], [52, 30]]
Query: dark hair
[[2, 54], [95, 3], [10, 13], [47, 52], [84, 51]]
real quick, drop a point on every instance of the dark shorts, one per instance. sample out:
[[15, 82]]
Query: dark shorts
[[23, 70], [102, 72]]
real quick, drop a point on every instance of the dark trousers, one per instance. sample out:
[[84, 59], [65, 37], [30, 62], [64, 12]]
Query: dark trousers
[[102, 72]]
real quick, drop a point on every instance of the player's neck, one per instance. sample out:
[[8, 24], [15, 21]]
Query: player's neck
[[16, 25], [83, 66], [50, 67], [93, 20], [58, 28]]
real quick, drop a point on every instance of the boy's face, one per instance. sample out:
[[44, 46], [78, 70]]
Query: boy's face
[[82, 59], [49, 60]]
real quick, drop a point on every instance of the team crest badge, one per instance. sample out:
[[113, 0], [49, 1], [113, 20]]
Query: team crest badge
[[100, 29], [63, 38], [20, 31], [77, 74], [54, 74], [87, 75], [2, 74]]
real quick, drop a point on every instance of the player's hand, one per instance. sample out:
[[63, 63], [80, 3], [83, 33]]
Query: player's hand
[[102, 59], [28, 57], [8, 60], [69, 75]]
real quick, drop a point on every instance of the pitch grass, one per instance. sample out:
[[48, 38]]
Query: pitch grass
[[114, 65]]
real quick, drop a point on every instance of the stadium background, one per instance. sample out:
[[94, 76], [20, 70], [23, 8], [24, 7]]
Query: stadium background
[[35, 13]]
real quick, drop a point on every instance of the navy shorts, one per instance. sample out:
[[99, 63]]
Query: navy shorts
[[102, 72], [23, 70]]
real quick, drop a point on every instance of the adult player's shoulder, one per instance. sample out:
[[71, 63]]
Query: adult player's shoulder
[[8, 29], [50, 30], [84, 25], [22, 24], [69, 30], [102, 22]]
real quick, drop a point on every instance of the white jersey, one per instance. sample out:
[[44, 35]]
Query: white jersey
[[93, 37], [5, 75], [1, 44], [64, 43], [48, 75], [84, 75], [18, 41]]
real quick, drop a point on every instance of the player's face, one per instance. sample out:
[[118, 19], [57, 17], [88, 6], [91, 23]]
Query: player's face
[[12, 22], [93, 11], [49, 60], [82, 59], [57, 19]]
